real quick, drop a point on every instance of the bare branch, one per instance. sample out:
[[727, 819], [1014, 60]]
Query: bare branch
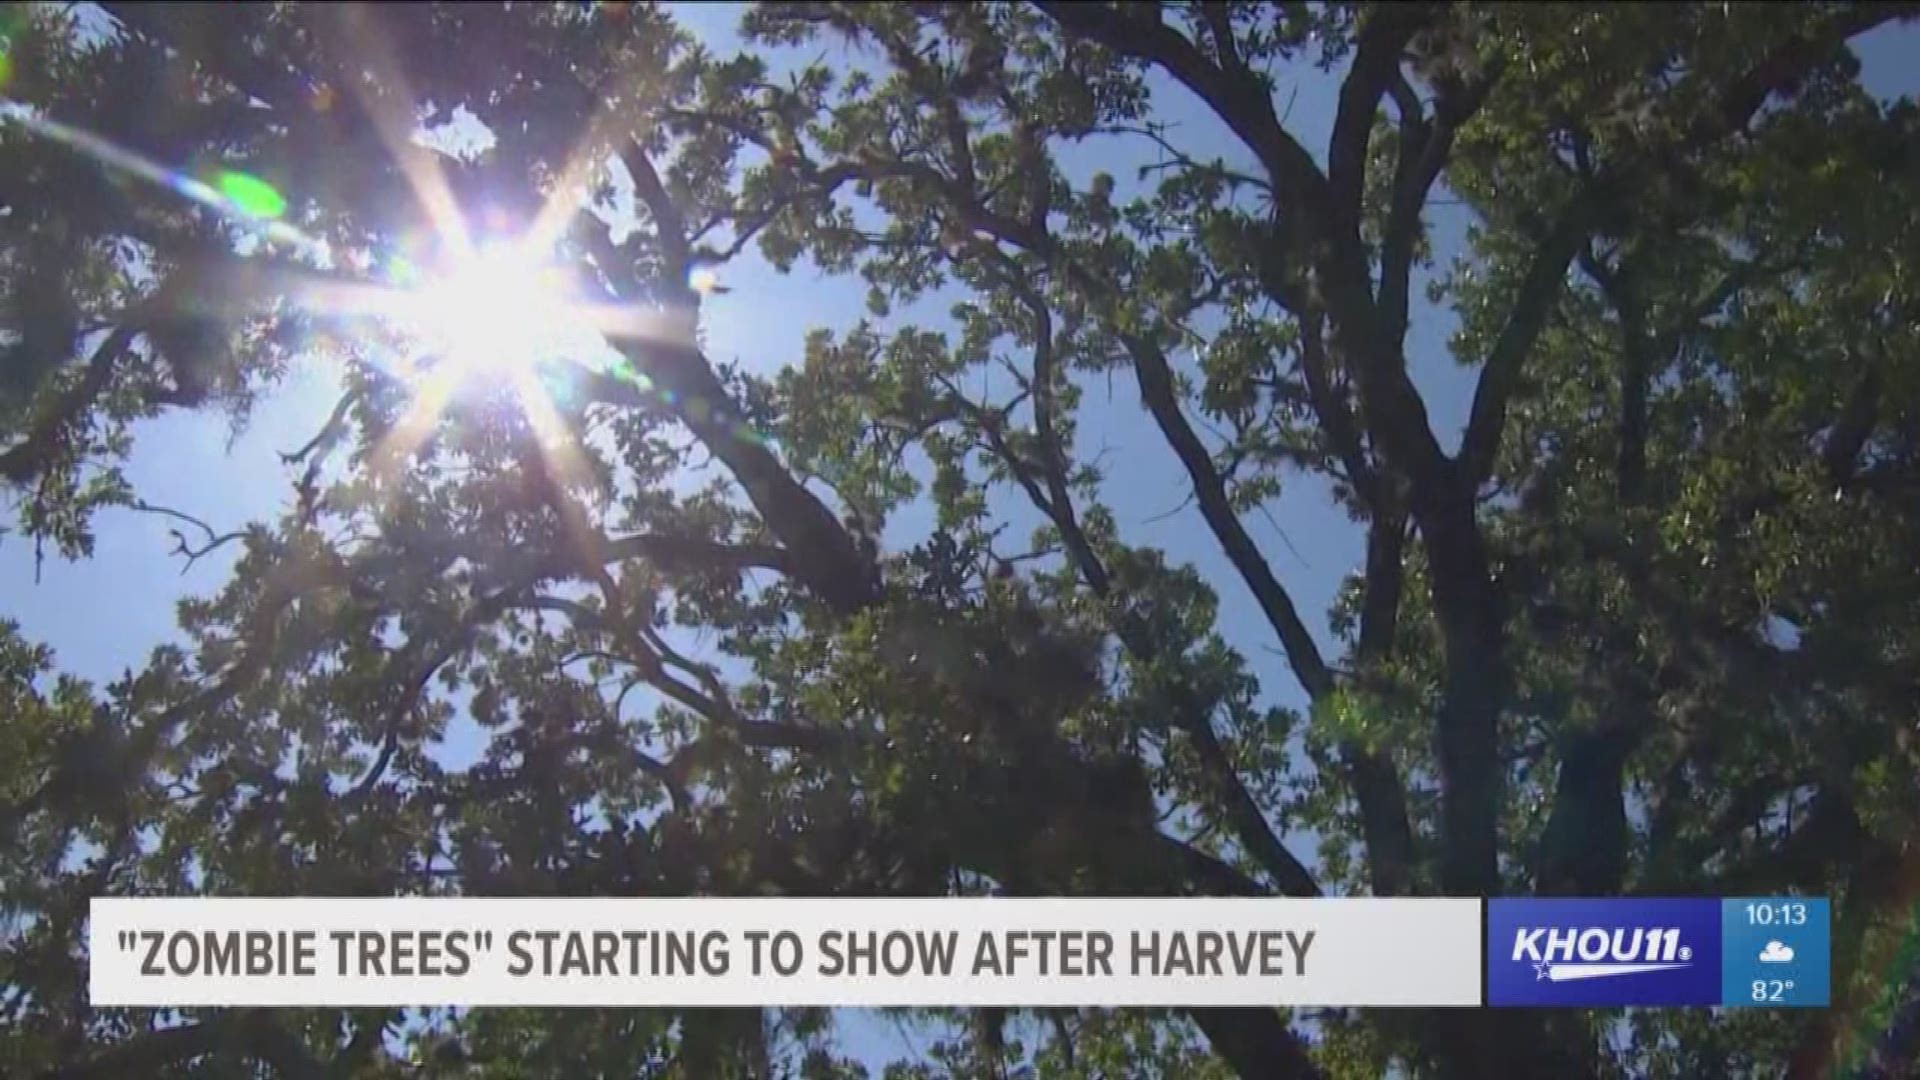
[[1178, 158], [328, 434], [192, 553], [1424, 148], [1376, 66]]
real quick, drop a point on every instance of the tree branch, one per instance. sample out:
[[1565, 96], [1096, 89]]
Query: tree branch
[[692, 554], [1256, 1042], [819, 550], [253, 1034], [1157, 392], [420, 665], [1239, 98], [1331, 406], [1783, 69], [24, 461], [1424, 149], [1780, 72], [1376, 64], [1376, 781], [1621, 288], [670, 226], [1250, 824], [1539, 289], [329, 432], [193, 554]]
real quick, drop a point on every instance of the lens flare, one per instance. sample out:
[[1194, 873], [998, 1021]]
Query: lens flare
[[235, 195], [403, 272], [497, 311], [251, 195]]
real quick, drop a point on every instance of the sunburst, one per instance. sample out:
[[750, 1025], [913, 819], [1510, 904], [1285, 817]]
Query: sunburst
[[490, 311], [494, 312]]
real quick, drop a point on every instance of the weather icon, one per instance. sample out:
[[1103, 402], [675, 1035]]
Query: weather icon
[[1776, 953]]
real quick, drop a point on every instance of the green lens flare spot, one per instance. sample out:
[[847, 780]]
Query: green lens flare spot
[[6, 64], [402, 272], [253, 196]]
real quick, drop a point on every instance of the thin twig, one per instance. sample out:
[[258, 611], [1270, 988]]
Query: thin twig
[[182, 546]]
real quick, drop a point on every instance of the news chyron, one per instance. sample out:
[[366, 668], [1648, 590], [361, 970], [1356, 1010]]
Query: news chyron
[[1757, 952]]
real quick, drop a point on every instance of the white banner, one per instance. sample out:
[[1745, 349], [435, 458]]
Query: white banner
[[734, 952]]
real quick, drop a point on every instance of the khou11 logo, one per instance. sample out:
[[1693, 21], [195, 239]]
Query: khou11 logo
[[1594, 952]]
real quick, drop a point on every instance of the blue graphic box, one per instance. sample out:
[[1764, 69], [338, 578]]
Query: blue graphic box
[[1603, 952], [1776, 952]]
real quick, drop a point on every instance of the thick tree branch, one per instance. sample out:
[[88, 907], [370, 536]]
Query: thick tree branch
[[1155, 379], [1621, 287], [1239, 97], [1335, 412], [670, 226], [1219, 20], [1533, 302], [24, 461], [1783, 69], [818, 548], [823, 555], [1376, 782], [1376, 64], [1256, 1042], [689, 554], [1424, 151]]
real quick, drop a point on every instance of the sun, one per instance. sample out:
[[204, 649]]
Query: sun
[[504, 316], [498, 311], [486, 318]]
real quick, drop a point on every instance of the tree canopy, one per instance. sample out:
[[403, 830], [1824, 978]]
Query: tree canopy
[[1647, 622]]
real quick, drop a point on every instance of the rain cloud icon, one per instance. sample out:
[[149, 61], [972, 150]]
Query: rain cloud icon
[[1776, 953]]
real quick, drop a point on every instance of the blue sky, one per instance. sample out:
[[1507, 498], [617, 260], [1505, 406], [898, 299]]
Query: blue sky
[[104, 615]]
